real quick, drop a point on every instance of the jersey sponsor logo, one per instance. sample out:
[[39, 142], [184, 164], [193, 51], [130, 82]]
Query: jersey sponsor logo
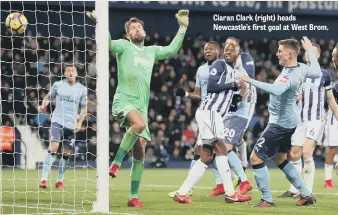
[[141, 61], [250, 63], [283, 79]]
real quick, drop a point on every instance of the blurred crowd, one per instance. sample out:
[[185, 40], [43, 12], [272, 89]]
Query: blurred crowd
[[29, 66]]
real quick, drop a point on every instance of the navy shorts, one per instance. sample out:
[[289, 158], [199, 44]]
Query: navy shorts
[[273, 139], [235, 127], [63, 135]]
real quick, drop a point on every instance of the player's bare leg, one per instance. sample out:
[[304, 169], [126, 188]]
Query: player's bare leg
[[330, 153], [139, 151], [64, 158], [236, 164], [47, 163], [306, 198], [137, 125], [295, 157]]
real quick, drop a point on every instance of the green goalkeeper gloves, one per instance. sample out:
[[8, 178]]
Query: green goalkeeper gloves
[[182, 17]]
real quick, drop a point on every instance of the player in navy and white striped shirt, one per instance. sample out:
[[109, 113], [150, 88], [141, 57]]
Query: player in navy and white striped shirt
[[236, 119], [310, 129], [220, 92], [275, 141], [209, 117], [211, 53]]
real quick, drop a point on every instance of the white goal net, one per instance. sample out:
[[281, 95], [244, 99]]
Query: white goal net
[[58, 34]]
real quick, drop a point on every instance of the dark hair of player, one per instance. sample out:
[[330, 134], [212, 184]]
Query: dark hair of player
[[65, 65], [291, 44], [218, 47], [234, 38], [132, 20], [317, 46]]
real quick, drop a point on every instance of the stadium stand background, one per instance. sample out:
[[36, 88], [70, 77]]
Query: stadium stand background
[[171, 119]]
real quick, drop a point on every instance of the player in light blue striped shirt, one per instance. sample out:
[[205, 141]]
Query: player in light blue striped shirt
[[275, 141], [69, 96]]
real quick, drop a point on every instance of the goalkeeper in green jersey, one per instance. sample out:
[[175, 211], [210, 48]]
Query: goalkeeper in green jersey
[[130, 107]]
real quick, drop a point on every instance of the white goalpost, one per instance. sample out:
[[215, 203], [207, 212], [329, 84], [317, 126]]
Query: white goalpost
[[102, 56], [58, 33]]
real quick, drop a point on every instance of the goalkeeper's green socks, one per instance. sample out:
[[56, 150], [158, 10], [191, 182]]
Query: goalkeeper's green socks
[[127, 143], [136, 176]]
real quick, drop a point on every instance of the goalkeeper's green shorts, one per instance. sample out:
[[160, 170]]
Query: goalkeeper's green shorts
[[120, 111]]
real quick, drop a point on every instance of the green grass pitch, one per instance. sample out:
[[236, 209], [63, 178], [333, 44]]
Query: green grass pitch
[[21, 195]]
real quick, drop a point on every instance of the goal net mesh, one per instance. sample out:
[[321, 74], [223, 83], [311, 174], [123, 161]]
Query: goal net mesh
[[58, 33]]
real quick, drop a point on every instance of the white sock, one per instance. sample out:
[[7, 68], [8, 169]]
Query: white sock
[[218, 178], [222, 164], [309, 173], [242, 154], [298, 165], [195, 174], [328, 171]]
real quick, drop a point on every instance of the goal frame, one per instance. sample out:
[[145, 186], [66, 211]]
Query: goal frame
[[102, 91]]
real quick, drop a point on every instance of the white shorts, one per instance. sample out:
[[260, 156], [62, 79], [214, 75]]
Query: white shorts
[[210, 124], [309, 129], [331, 133], [199, 141]]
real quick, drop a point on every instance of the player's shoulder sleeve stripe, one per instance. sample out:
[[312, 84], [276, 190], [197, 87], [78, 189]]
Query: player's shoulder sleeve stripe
[[247, 59], [217, 67], [219, 62]]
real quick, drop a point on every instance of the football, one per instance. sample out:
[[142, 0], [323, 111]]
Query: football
[[16, 23]]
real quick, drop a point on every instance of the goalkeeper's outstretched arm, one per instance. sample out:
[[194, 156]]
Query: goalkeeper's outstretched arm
[[163, 52], [115, 46]]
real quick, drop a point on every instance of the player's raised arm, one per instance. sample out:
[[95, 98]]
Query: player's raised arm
[[50, 96], [314, 71], [117, 46], [217, 79], [163, 52], [276, 88], [248, 64]]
